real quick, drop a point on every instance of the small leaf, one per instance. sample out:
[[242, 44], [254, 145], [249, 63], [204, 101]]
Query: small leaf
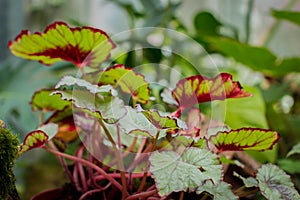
[[199, 89], [34, 139], [275, 184], [294, 150], [161, 122], [249, 182], [245, 139], [43, 100], [220, 191], [85, 46], [173, 172], [129, 81], [50, 129], [206, 24], [291, 16]]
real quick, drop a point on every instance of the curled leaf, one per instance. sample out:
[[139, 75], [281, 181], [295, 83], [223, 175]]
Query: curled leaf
[[245, 139], [34, 139], [85, 46], [199, 89]]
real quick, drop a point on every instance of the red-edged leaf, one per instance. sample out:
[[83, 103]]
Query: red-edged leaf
[[199, 89], [85, 46], [129, 81], [34, 139], [245, 139]]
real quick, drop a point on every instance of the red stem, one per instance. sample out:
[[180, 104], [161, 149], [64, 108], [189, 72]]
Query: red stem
[[81, 170], [89, 164], [142, 195]]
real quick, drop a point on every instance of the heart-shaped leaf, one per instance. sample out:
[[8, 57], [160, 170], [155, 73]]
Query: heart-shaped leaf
[[199, 89], [85, 46], [173, 172], [245, 139], [34, 139]]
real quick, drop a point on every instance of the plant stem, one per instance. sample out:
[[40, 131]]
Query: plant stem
[[89, 164], [142, 184], [274, 28], [248, 20], [142, 195], [119, 158], [181, 195]]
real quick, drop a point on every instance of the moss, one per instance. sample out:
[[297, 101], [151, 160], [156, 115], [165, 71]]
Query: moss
[[8, 153]]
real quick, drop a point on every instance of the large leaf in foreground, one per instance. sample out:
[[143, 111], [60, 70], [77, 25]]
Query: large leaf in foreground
[[198, 89], [43, 100], [220, 191], [174, 172], [245, 139], [129, 81], [34, 139], [85, 46], [291, 16], [275, 184]]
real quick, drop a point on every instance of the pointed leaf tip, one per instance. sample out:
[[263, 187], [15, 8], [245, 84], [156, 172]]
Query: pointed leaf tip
[[85, 46], [245, 139], [198, 89]]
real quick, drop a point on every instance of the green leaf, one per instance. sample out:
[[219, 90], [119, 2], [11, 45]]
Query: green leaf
[[289, 165], [110, 108], [50, 129], [129, 81], [275, 184], [245, 139], [290, 16], [294, 150], [34, 139], [43, 100], [198, 89], [173, 172], [258, 58], [286, 66], [220, 191], [249, 182], [161, 122], [94, 89], [82, 46], [206, 24]]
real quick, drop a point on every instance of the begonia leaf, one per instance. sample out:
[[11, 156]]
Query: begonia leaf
[[198, 89], [220, 191], [161, 122], [275, 184], [129, 81], [109, 107], [34, 139], [173, 172], [83, 46], [43, 100], [249, 182], [245, 139], [94, 89], [50, 129]]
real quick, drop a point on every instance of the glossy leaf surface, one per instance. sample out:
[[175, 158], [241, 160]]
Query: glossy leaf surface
[[85, 46], [245, 139], [198, 89], [174, 172]]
